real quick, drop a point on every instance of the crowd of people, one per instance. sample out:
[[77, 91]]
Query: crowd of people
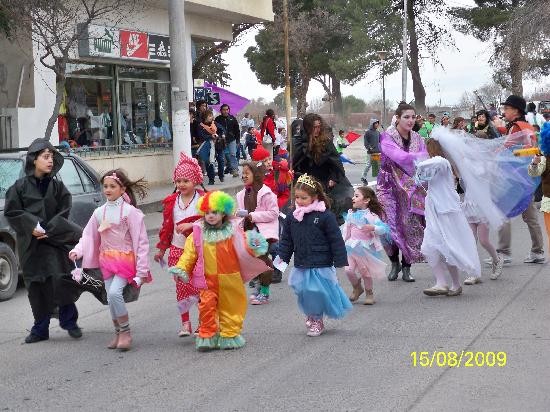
[[439, 190], [217, 142]]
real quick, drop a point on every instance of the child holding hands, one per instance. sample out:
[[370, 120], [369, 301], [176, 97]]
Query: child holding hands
[[115, 240]]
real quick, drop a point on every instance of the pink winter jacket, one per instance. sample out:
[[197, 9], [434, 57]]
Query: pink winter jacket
[[266, 215], [90, 242]]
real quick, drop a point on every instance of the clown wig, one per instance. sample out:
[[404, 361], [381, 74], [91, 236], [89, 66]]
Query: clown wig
[[217, 201], [545, 139]]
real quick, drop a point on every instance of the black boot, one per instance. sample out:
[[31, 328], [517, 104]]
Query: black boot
[[277, 276], [394, 272], [407, 277]]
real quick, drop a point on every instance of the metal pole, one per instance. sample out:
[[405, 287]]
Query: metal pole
[[383, 97], [178, 78], [404, 62], [287, 79]]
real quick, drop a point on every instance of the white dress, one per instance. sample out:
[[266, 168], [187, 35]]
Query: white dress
[[447, 234]]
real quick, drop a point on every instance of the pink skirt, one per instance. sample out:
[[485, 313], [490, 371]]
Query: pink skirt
[[114, 262]]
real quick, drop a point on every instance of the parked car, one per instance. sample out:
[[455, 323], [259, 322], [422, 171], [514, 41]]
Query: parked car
[[79, 178]]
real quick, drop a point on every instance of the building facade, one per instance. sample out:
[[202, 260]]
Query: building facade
[[118, 81]]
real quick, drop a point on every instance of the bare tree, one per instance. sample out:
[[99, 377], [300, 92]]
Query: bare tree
[[57, 26], [209, 63]]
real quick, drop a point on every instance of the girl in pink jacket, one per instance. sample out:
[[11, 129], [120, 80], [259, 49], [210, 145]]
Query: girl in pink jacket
[[115, 240], [258, 206]]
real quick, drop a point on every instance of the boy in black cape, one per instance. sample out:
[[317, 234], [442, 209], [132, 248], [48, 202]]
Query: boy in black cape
[[37, 207]]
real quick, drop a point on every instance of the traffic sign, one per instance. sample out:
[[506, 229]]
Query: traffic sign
[[212, 98], [200, 93]]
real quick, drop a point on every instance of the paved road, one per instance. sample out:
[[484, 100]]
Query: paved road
[[361, 363]]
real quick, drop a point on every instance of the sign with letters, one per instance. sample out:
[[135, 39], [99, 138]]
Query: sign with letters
[[159, 47], [102, 41]]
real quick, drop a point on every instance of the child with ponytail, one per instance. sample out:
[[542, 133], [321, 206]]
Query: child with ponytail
[[363, 231], [115, 240]]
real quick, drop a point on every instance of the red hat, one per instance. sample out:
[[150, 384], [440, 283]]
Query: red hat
[[259, 154], [188, 168]]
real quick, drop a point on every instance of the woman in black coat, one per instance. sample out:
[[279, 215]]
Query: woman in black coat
[[314, 153], [37, 207]]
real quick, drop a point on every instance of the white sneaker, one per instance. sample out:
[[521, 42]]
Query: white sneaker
[[535, 258], [472, 280], [497, 267], [507, 260]]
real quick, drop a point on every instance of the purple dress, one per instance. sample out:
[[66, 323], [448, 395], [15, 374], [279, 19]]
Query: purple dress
[[402, 199]]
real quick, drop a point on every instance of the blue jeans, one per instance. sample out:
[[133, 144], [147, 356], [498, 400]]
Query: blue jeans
[[233, 156]]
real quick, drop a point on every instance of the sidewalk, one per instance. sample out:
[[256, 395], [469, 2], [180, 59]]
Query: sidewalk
[[152, 204]]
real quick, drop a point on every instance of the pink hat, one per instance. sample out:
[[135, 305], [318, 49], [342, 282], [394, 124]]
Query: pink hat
[[188, 168]]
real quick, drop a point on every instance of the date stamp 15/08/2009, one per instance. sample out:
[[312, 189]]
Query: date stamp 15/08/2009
[[462, 359]]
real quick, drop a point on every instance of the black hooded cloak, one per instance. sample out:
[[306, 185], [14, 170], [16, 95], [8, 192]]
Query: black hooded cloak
[[47, 201]]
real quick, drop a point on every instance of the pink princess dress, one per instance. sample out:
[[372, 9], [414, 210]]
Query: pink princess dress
[[364, 247]]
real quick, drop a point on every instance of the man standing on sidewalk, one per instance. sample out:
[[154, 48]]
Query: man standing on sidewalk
[[514, 112], [232, 136], [372, 144]]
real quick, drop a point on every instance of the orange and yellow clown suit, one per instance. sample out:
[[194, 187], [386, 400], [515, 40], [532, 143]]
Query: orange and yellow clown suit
[[223, 303]]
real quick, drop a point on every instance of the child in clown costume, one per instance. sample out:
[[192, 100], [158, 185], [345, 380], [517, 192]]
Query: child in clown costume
[[179, 213], [217, 258]]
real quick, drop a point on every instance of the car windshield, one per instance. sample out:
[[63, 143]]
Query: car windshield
[[10, 171]]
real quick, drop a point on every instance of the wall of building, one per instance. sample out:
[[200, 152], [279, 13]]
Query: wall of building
[[32, 121], [156, 168]]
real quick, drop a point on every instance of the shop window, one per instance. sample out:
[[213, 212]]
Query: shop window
[[87, 110], [145, 112]]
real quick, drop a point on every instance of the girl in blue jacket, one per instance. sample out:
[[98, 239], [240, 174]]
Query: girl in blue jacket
[[313, 236]]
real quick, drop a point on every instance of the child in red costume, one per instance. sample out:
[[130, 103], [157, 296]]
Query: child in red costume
[[179, 213], [278, 179], [278, 176]]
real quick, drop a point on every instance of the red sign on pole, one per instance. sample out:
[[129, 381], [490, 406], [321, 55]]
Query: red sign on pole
[[134, 44]]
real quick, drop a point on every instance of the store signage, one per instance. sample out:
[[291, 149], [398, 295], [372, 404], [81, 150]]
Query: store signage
[[101, 41], [159, 47], [134, 44]]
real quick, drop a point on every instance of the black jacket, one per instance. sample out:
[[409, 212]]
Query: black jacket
[[372, 141], [231, 127], [316, 241], [26, 206], [328, 168]]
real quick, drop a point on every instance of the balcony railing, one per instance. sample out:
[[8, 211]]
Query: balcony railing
[[102, 151]]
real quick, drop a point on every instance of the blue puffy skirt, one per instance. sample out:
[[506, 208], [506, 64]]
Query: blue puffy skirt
[[319, 293]]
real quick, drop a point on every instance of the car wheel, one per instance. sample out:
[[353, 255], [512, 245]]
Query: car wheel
[[9, 274]]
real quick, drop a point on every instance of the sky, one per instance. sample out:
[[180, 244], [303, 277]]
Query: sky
[[465, 69]]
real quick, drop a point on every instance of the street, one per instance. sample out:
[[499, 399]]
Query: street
[[362, 362]]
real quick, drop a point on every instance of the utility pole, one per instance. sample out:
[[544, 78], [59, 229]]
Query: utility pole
[[178, 80], [287, 78], [382, 56], [404, 62]]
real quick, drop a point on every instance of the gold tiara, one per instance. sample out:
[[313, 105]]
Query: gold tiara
[[307, 180]]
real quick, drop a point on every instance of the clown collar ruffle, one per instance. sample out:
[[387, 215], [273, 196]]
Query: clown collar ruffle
[[215, 235]]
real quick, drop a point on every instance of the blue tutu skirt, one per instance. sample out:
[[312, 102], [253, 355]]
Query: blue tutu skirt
[[319, 293]]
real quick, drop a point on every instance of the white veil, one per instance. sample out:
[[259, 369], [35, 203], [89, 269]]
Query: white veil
[[491, 176]]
